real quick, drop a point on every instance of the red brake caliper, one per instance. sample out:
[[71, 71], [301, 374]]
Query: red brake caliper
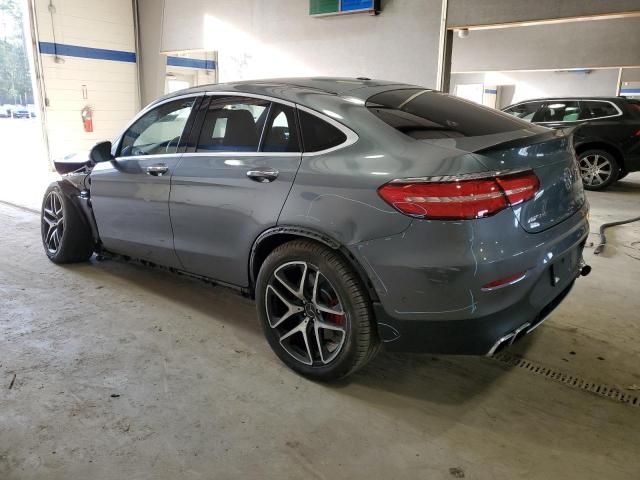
[[334, 317]]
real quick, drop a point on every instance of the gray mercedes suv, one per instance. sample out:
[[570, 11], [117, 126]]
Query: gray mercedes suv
[[358, 213]]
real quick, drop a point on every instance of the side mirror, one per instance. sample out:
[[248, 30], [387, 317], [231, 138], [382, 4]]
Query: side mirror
[[101, 152]]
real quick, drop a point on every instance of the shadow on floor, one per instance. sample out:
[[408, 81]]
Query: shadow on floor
[[458, 379]]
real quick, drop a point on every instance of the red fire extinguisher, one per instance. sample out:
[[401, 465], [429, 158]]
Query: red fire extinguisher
[[87, 118]]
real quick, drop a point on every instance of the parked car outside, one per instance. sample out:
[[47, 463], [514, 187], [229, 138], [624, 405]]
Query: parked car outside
[[358, 213], [21, 113], [607, 141]]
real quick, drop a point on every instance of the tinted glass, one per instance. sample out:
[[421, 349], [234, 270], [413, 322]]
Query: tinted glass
[[524, 111], [281, 134], [633, 107], [318, 135], [592, 109], [158, 131], [233, 125], [425, 114], [559, 111]]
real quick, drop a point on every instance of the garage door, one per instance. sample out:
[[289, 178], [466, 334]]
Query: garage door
[[88, 70]]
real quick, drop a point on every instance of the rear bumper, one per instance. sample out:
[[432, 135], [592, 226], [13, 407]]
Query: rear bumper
[[477, 336], [430, 279]]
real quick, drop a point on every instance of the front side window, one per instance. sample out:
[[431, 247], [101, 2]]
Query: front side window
[[426, 114], [592, 109], [158, 131], [233, 125], [281, 134], [559, 111], [318, 135], [524, 111]]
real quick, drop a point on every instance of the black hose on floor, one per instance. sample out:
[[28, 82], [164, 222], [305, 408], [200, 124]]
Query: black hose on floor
[[603, 240]]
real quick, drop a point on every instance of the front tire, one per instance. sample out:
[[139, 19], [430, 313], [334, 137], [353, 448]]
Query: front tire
[[66, 237], [315, 312], [598, 169]]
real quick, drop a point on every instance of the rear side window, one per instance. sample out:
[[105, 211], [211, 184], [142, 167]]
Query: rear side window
[[318, 135], [233, 125], [559, 111], [281, 134], [525, 111], [593, 109], [426, 114]]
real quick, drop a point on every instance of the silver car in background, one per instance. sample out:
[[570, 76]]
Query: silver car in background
[[357, 212]]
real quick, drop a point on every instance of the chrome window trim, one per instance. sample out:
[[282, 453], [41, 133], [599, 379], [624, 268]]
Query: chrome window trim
[[155, 155], [251, 95], [352, 137], [619, 114], [232, 154]]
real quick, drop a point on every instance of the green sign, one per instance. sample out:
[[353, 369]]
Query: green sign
[[319, 7]]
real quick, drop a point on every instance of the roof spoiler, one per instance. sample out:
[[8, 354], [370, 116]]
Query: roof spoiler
[[559, 133]]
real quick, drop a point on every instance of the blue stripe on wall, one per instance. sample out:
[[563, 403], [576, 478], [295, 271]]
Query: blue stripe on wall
[[489, 90], [191, 63], [630, 90], [64, 50]]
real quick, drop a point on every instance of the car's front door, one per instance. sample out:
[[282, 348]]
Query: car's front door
[[234, 184], [130, 195]]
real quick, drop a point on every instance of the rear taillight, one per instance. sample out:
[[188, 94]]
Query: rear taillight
[[520, 187], [461, 198]]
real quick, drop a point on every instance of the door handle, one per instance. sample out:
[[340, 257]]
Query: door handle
[[157, 170], [265, 175]]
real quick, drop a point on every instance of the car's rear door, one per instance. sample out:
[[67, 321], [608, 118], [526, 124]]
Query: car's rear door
[[559, 114], [233, 183], [130, 195]]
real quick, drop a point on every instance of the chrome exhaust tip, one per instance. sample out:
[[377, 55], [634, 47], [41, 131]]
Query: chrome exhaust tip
[[585, 270], [508, 339]]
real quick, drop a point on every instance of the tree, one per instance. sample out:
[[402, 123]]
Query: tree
[[15, 74]]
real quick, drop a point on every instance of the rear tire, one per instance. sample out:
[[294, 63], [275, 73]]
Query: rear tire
[[598, 169], [312, 291], [66, 237]]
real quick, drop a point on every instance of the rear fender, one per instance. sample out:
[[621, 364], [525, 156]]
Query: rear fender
[[275, 236]]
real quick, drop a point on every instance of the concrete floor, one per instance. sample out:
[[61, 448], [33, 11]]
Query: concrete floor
[[127, 373]]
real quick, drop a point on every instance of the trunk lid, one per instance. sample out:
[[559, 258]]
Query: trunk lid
[[551, 157]]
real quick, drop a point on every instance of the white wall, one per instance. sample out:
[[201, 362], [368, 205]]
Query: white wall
[[112, 90], [260, 39], [491, 12], [152, 63], [582, 44], [540, 84]]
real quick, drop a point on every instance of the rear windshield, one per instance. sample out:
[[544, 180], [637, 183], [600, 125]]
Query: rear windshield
[[426, 114]]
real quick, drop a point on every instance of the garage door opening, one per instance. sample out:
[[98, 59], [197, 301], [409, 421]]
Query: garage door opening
[[502, 64], [24, 167], [190, 69]]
